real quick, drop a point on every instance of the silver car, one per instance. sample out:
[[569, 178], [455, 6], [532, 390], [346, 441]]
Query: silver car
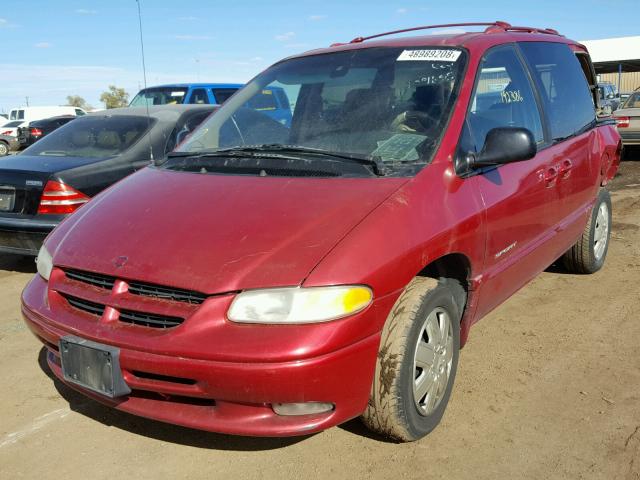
[[628, 120]]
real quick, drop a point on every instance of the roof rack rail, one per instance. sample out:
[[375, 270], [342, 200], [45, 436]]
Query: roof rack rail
[[492, 27]]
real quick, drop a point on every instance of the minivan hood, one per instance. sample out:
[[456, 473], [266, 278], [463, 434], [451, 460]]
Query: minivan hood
[[215, 233]]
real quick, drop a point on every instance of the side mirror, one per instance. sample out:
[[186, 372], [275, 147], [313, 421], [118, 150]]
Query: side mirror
[[505, 145]]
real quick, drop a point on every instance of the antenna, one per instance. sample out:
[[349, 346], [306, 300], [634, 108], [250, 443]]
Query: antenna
[[144, 76]]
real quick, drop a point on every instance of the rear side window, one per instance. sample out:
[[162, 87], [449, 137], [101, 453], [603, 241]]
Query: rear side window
[[563, 87], [199, 96], [20, 114], [223, 94], [79, 112], [503, 97]]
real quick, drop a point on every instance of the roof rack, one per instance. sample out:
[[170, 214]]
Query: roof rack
[[492, 27]]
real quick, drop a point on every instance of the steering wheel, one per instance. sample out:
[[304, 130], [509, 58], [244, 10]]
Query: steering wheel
[[412, 121]]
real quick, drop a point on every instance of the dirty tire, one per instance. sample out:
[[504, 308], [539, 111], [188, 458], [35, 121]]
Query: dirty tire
[[392, 410], [582, 258], [4, 149]]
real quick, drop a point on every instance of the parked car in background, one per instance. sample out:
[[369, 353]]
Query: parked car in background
[[609, 100], [271, 101], [180, 93], [8, 144], [29, 114], [278, 279], [39, 128], [58, 174], [624, 96], [628, 120], [11, 128]]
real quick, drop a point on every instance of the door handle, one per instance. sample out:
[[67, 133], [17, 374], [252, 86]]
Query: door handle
[[565, 168], [550, 176]]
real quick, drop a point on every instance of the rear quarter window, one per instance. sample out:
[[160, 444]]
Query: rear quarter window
[[562, 85]]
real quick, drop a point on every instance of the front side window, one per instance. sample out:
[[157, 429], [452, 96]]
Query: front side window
[[80, 113], [563, 87], [159, 96], [199, 97], [223, 94], [93, 137], [385, 104], [503, 97]]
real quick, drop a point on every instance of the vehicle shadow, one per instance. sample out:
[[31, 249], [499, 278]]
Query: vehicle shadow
[[557, 267], [158, 430], [17, 263]]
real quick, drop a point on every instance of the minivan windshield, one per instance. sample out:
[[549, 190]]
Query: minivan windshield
[[387, 106], [159, 96], [93, 136]]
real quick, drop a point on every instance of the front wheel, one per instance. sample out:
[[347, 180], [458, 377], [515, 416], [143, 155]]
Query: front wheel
[[588, 254], [4, 149], [417, 361]]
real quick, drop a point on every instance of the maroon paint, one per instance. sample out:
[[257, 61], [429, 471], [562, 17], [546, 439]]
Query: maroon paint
[[247, 232]]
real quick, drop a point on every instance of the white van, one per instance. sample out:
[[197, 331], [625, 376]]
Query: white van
[[30, 114]]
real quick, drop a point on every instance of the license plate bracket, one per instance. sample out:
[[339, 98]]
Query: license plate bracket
[[7, 198], [92, 366]]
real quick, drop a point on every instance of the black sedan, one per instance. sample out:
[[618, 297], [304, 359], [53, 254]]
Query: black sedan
[[39, 128], [60, 173]]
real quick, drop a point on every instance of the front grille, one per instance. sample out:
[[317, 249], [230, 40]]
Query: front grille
[[97, 280], [149, 290], [138, 288], [149, 320], [84, 305], [128, 316]]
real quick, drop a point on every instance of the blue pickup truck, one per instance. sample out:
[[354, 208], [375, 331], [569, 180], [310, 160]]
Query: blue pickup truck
[[273, 101]]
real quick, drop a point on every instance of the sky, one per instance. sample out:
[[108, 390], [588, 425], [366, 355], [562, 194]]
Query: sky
[[52, 49]]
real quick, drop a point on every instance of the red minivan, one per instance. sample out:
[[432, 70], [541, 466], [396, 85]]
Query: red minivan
[[279, 279]]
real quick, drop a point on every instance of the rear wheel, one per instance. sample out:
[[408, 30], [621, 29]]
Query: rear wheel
[[4, 148], [417, 361], [588, 254]]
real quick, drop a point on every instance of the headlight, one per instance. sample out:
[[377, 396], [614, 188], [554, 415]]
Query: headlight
[[44, 263], [299, 305]]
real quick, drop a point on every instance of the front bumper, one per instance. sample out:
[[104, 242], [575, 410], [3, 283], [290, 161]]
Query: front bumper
[[24, 236], [226, 396]]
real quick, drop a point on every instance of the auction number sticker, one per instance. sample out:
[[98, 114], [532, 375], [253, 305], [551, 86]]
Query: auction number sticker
[[433, 55]]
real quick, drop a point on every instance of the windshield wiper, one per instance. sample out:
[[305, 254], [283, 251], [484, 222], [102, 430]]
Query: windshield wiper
[[278, 150]]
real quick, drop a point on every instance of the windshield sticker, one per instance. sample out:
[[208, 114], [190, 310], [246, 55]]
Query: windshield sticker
[[402, 146], [433, 55]]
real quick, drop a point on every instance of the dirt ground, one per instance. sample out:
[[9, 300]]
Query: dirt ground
[[548, 387]]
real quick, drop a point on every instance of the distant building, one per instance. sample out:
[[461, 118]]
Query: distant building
[[617, 61]]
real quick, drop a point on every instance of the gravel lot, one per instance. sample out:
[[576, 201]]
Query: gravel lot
[[548, 387]]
